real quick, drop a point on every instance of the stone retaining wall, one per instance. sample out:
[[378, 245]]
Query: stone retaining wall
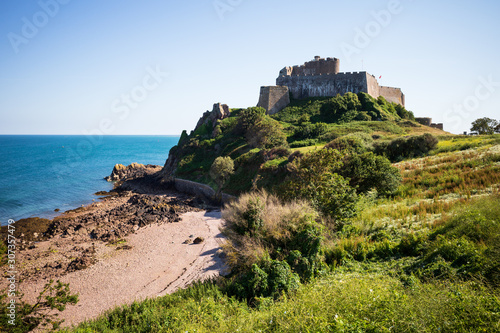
[[198, 189]]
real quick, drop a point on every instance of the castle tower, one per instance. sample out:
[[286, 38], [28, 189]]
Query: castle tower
[[322, 78]]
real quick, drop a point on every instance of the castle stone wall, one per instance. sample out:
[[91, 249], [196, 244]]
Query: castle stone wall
[[318, 66], [372, 87], [394, 95], [424, 121], [274, 98], [324, 85], [321, 78]]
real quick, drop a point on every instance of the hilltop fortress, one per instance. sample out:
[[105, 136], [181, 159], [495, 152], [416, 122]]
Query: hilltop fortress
[[322, 78]]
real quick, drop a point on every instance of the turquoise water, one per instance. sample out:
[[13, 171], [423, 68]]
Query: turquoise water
[[41, 173]]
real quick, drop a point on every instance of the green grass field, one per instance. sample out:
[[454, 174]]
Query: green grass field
[[424, 260]]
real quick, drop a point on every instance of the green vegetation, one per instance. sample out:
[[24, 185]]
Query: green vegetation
[[24, 317], [485, 126], [261, 146], [328, 235], [220, 171]]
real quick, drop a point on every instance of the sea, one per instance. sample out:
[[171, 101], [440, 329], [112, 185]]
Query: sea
[[42, 173]]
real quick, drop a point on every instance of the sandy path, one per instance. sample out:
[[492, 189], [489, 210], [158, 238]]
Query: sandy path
[[159, 263]]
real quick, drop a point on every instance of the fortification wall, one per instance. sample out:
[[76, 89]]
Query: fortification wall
[[201, 190], [372, 87], [394, 95], [318, 66], [274, 98], [324, 85], [424, 121]]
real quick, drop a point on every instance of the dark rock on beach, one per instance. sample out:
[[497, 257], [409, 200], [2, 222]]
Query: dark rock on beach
[[121, 172]]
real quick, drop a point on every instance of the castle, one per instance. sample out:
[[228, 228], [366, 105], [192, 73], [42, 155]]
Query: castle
[[321, 78]]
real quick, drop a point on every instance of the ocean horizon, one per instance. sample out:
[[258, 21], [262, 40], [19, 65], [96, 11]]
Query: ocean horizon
[[42, 173]]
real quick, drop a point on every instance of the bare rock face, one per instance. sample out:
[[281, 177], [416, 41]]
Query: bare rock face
[[134, 170], [219, 112]]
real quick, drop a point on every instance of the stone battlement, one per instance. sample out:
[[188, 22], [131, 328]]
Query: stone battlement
[[322, 78], [319, 66]]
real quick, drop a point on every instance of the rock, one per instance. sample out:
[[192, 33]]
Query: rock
[[80, 263], [187, 241], [220, 111], [82, 231], [210, 118], [198, 240], [135, 170]]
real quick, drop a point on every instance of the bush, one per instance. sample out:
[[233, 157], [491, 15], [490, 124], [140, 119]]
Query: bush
[[249, 117], [266, 133], [401, 148], [272, 279], [309, 131], [369, 171], [260, 225], [220, 171], [273, 153], [348, 144], [303, 143], [313, 178]]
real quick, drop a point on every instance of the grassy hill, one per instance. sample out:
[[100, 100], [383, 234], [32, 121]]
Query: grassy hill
[[262, 146], [351, 217]]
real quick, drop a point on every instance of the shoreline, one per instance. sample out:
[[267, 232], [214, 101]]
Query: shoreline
[[120, 242]]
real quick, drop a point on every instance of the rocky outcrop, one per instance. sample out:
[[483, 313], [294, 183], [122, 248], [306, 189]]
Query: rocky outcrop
[[139, 211], [135, 170], [207, 124], [219, 112]]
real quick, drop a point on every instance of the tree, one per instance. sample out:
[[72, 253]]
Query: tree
[[266, 133], [484, 125], [220, 171], [313, 177]]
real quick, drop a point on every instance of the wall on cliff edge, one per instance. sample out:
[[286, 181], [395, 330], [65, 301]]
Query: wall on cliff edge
[[394, 95], [274, 98]]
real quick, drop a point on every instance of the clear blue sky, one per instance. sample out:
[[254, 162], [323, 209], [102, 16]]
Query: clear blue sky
[[67, 66]]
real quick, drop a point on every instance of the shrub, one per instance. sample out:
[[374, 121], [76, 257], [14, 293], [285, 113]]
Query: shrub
[[313, 178], [249, 117], [260, 225], [309, 131], [400, 148], [348, 144], [266, 133], [369, 171], [277, 152], [295, 155], [271, 279], [303, 143], [220, 171]]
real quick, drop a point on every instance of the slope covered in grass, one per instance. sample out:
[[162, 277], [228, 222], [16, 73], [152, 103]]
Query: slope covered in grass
[[425, 258]]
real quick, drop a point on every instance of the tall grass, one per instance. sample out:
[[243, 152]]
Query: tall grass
[[340, 302]]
